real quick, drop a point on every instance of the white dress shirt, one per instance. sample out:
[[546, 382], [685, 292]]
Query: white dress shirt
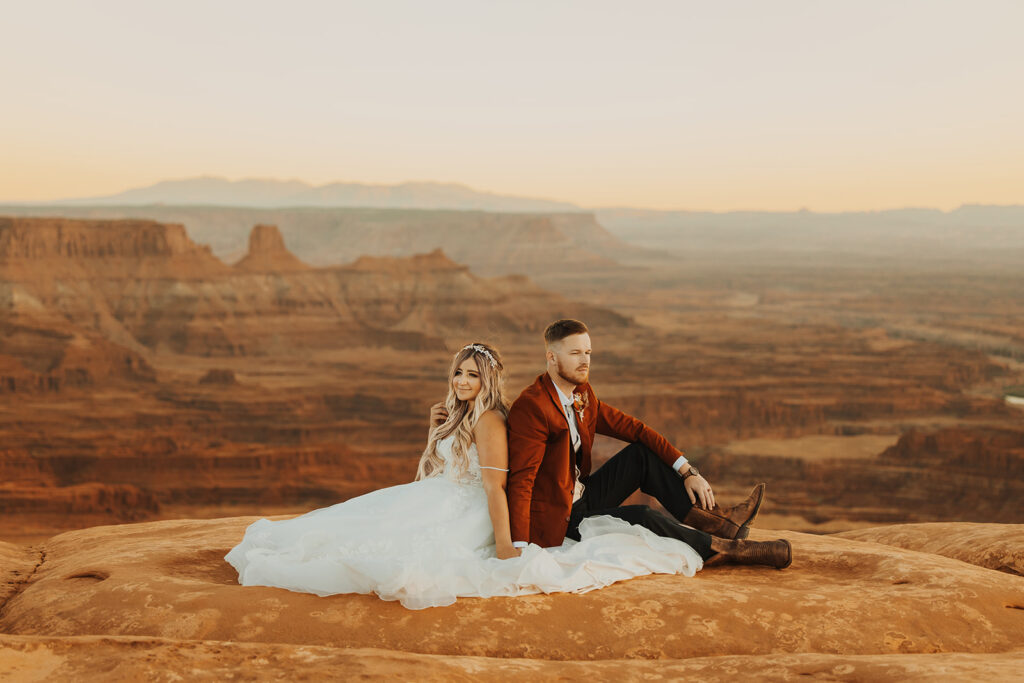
[[568, 409]]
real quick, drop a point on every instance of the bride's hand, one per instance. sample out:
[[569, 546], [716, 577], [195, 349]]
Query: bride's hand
[[438, 414], [505, 553]]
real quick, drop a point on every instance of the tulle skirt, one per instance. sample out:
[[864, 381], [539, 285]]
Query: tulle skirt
[[429, 542]]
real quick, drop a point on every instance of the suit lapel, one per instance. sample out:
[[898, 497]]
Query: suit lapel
[[549, 385], [552, 392]]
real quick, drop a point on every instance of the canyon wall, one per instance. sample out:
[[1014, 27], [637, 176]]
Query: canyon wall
[[489, 243], [141, 377], [146, 283]]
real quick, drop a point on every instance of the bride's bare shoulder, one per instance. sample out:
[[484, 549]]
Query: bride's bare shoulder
[[489, 421]]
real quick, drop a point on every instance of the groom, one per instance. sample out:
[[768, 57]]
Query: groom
[[551, 488]]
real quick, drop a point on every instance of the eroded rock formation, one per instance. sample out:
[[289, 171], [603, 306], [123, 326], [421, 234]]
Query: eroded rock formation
[[957, 473], [145, 283], [108, 329], [489, 243], [44, 353], [104, 328], [267, 253]]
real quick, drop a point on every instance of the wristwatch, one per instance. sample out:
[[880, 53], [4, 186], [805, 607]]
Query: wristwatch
[[691, 471]]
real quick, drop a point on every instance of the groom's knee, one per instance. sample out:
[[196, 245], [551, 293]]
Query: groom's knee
[[649, 459], [640, 450]]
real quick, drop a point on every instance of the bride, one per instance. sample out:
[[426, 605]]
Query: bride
[[446, 534]]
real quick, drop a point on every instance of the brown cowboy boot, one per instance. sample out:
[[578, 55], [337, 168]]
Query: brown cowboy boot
[[778, 554], [731, 522]]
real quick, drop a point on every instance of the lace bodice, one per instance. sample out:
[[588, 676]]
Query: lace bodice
[[472, 474]]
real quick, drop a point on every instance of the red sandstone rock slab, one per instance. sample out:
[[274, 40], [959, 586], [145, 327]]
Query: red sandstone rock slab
[[40, 658], [994, 546], [17, 563], [168, 580]]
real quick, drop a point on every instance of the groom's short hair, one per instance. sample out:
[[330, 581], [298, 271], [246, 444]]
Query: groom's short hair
[[560, 329]]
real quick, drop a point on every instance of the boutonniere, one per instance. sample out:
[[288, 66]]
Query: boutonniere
[[579, 404]]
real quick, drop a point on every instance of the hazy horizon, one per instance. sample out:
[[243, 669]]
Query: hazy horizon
[[94, 200], [662, 105]]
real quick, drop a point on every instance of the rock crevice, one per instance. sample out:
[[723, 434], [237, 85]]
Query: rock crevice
[[18, 580]]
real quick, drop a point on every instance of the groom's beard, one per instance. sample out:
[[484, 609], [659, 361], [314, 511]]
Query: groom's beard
[[578, 375]]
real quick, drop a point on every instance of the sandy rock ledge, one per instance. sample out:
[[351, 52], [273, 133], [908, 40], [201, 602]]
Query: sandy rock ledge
[[994, 546], [122, 658], [158, 598]]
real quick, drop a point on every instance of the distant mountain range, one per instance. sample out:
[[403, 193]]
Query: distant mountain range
[[340, 221], [269, 193]]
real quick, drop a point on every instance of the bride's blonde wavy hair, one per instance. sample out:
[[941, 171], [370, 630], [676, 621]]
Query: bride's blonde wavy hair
[[463, 415]]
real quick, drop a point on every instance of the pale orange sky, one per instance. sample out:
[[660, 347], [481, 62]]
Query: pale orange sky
[[684, 105]]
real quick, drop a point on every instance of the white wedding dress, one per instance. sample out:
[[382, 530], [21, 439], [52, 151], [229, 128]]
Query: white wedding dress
[[429, 542]]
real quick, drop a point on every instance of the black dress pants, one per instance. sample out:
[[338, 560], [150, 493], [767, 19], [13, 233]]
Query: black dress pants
[[638, 467]]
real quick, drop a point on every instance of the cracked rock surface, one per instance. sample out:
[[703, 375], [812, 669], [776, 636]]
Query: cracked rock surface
[[17, 565]]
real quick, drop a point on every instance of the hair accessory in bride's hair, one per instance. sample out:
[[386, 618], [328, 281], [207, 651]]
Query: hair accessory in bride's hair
[[482, 350]]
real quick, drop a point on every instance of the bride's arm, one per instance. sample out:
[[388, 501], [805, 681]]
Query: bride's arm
[[492, 449]]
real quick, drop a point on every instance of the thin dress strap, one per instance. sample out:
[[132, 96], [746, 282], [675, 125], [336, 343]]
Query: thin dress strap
[[485, 467]]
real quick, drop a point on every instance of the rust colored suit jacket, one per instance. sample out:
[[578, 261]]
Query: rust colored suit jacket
[[541, 474]]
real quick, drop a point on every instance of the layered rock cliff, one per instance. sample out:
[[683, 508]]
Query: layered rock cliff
[[43, 353], [145, 378], [971, 474], [61, 247], [489, 243], [144, 283], [123, 407]]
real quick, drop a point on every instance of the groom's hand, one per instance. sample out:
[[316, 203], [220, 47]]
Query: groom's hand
[[698, 488]]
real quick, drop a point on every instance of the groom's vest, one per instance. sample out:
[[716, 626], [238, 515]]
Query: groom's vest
[[541, 468]]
